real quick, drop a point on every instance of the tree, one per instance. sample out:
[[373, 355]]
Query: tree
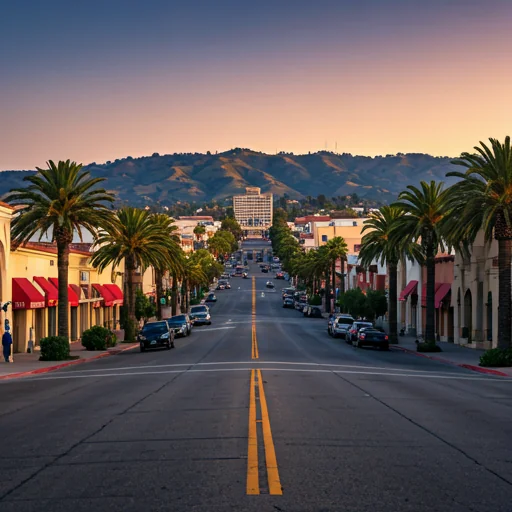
[[353, 301], [426, 210], [482, 200], [338, 250], [231, 224], [376, 304], [135, 238], [199, 231], [222, 242], [144, 308], [378, 244], [61, 200]]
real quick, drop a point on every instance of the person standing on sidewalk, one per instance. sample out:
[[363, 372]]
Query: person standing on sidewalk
[[6, 345]]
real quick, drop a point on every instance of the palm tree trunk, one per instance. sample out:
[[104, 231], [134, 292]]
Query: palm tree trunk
[[327, 292], [174, 295], [430, 295], [393, 302], [504, 292], [334, 281], [159, 292], [129, 329], [63, 241], [342, 285]]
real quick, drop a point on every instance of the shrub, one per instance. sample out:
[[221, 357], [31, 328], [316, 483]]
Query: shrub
[[428, 347], [316, 300], [98, 338], [54, 348], [496, 357]]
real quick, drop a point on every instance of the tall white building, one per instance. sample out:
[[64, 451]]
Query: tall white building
[[254, 210]]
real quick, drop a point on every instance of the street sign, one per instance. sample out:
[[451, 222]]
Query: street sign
[[163, 301]]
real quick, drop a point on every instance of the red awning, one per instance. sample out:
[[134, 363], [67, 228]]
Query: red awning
[[25, 295], [441, 293], [108, 298], [424, 293], [411, 288], [72, 296], [77, 290], [116, 292], [51, 293]]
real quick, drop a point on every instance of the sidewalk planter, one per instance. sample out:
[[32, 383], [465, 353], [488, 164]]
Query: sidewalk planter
[[98, 338], [428, 347], [54, 348], [497, 357]]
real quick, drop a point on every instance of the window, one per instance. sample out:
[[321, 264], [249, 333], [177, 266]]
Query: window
[[84, 277], [357, 247], [324, 238]]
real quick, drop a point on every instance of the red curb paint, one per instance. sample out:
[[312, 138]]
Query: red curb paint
[[446, 361], [48, 369]]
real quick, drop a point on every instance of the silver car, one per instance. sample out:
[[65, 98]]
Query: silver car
[[342, 326]]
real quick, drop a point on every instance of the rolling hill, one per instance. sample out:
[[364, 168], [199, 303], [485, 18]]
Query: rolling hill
[[203, 177]]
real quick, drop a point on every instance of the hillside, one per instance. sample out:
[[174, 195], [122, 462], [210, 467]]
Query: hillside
[[203, 177]]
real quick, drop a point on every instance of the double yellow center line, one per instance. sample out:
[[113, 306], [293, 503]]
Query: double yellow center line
[[254, 350], [258, 417]]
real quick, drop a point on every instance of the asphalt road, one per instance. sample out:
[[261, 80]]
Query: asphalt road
[[320, 427]]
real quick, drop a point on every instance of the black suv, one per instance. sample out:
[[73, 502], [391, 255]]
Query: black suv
[[155, 335]]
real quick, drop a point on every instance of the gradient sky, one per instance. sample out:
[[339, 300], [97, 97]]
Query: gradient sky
[[100, 80]]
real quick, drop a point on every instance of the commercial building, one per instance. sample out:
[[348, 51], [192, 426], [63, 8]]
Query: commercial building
[[254, 210]]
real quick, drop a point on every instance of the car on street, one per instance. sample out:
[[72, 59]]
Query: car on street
[[264, 269], [211, 297], [270, 284], [370, 336], [180, 324], [313, 312], [199, 308], [155, 335], [341, 327], [354, 330], [201, 318], [220, 286], [288, 302], [330, 321], [279, 275], [245, 275]]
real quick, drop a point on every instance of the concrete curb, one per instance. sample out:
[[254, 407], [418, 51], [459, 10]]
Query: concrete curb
[[48, 369], [447, 361]]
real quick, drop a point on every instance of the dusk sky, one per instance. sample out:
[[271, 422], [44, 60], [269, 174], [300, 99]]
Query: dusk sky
[[100, 80]]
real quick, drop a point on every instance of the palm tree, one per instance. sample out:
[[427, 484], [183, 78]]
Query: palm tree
[[199, 231], [60, 200], [166, 223], [338, 250], [135, 238], [426, 210], [379, 244], [483, 200]]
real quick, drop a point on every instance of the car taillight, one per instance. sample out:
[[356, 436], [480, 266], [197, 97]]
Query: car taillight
[[353, 331], [385, 337], [362, 336]]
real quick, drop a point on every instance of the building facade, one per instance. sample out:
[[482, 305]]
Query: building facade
[[254, 210]]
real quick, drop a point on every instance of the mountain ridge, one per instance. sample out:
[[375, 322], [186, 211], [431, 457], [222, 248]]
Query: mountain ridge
[[201, 177]]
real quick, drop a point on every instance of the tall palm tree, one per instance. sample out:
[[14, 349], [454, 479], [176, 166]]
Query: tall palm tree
[[60, 201], [426, 211], [174, 265], [135, 238], [338, 250], [483, 200], [379, 244]]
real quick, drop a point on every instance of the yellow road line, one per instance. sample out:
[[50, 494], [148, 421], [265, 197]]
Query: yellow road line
[[254, 340], [274, 483], [253, 482]]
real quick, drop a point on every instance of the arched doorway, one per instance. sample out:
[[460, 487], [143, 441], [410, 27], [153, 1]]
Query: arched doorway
[[468, 316], [489, 317]]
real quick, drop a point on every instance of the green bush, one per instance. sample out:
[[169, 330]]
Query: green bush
[[428, 347], [98, 338], [54, 348], [496, 357], [316, 300]]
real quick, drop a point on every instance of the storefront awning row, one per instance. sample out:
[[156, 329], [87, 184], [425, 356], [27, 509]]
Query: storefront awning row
[[72, 296], [25, 295], [111, 294], [410, 289], [51, 294]]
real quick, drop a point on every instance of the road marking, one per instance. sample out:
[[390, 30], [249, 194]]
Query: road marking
[[210, 329], [253, 482], [254, 340], [274, 483]]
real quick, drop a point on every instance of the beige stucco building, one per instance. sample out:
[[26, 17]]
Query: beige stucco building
[[254, 210]]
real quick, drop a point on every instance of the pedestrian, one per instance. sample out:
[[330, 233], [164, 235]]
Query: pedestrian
[[6, 345]]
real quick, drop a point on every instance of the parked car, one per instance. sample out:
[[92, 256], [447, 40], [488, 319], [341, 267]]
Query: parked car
[[372, 337], [313, 312], [156, 335], [341, 327], [211, 297], [330, 322], [199, 308], [220, 286], [270, 284], [279, 275], [354, 330], [287, 302], [180, 324], [264, 270]]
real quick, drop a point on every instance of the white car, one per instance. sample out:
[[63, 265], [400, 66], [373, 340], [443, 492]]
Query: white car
[[341, 326]]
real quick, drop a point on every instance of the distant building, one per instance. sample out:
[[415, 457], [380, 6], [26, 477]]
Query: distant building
[[253, 211]]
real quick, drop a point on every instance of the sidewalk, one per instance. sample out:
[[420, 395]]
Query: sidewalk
[[452, 354], [29, 364]]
